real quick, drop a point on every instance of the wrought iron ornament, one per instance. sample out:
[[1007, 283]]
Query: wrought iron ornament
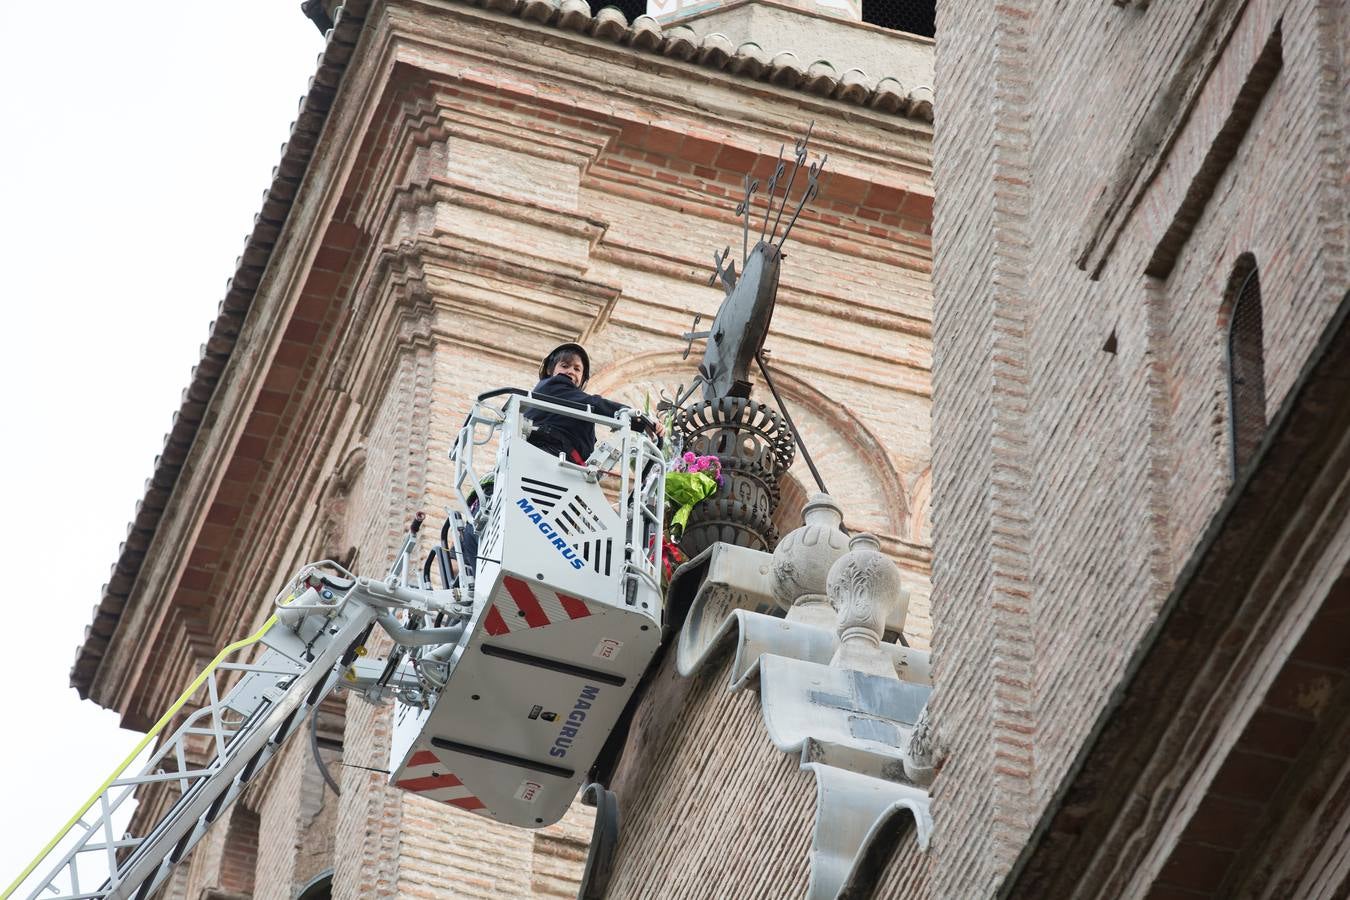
[[742, 323], [753, 441]]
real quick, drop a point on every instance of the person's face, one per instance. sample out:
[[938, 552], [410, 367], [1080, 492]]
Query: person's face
[[570, 365]]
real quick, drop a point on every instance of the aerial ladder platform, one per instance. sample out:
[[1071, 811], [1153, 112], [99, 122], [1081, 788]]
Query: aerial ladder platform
[[509, 675]]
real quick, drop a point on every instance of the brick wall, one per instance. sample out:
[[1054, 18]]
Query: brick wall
[[238, 867], [1099, 169], [962, 448], [708, 806]]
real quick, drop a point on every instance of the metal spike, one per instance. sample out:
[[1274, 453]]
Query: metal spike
[[778, 170], [812, 189], [799, 156], [743, 210], [724, 270]]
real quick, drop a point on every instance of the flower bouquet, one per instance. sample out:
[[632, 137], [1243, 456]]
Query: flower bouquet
[[691, 480]]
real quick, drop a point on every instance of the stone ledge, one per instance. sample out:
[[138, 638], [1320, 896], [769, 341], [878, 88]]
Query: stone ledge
[[716, 51]]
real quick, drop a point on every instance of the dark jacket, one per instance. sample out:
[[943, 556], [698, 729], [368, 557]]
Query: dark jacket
[[557, 433]]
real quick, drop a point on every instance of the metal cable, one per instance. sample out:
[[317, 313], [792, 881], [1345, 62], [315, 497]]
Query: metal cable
[[314, 748]]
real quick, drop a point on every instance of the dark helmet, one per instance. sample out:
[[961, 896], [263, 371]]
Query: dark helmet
[[566, 350]]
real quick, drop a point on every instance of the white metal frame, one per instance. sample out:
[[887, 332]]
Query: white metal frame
[[306, 642], [641, 505]]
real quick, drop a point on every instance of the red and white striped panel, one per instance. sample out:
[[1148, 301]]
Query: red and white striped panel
[[527, 606], [425, 774]]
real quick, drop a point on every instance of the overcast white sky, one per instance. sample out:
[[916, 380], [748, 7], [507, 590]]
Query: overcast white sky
[[135, 143]]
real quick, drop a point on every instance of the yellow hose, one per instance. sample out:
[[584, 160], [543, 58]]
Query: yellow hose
[[145, 741]]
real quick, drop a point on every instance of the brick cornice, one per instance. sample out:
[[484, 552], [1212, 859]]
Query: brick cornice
[[877, 91], [435, 208]]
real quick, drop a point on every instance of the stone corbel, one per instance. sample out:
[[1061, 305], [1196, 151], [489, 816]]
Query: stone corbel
[[851, 812], [729, 612], [728, 581], [853, 707]]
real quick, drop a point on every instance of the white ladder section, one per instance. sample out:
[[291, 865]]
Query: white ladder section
[[323, 618]]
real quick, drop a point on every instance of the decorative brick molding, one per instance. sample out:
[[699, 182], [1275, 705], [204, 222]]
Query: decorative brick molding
[[1012, 598], [1155, 133]]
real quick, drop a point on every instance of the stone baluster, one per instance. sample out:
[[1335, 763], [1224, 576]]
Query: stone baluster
[[802, 561], [863, 585]]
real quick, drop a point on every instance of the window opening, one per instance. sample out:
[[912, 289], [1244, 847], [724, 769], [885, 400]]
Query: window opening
[[1246, 365], [912, 16]]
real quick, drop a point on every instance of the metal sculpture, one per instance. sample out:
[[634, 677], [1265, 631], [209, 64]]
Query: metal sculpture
[[742, 323], [754, 442]]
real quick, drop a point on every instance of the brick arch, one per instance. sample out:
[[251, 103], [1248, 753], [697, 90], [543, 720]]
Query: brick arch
[[239, 857], [919, 498], [855, 465], [336, 540], [792, 497]]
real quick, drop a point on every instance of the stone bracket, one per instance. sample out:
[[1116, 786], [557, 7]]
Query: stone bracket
[[867, 717], [723, 614], [604, 841], [851, 810], [853, 729]]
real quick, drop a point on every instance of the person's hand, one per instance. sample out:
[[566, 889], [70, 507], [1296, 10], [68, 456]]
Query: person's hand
[[658, 429]]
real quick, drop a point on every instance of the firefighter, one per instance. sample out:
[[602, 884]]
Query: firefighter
[[562, 377]]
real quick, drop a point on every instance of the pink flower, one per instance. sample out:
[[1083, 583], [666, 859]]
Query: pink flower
[[689, 457]]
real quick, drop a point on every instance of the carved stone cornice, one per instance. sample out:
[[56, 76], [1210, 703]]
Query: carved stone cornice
[[852, 706]]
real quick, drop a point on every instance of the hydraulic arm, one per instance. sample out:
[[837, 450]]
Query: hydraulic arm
[[512, 673], [244, 712]]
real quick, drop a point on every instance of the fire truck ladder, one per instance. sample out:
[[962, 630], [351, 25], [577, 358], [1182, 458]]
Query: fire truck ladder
[[576, 575], [323, 618]]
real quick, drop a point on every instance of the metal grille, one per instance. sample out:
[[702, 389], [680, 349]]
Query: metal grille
[[1246, 369], [631, 9], [541, 493], [912, 16]]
